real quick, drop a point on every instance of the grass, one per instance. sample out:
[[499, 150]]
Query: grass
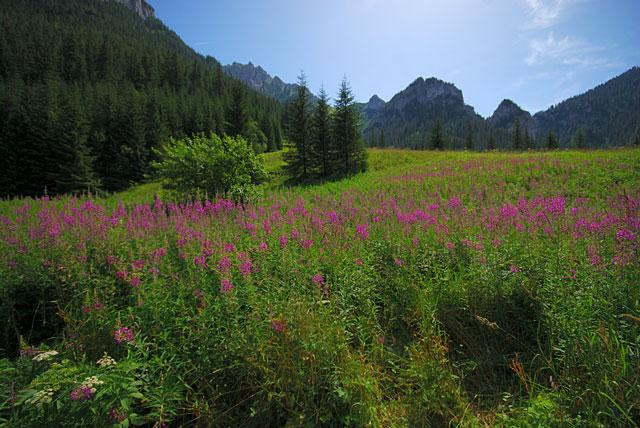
[[437, 289]]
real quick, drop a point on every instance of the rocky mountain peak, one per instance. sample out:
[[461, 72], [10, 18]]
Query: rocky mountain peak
[[423, 91], [375, 103], [141, 7], [507, 113]]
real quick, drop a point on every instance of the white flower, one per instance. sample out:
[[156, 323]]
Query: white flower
[[106, 361], [41, 397], [45, 356], [91, 382]]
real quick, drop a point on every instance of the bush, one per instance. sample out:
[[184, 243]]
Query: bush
[[203, 166]]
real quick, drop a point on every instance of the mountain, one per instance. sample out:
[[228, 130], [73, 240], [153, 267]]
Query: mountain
[[506, 115], [141, 7], [89, 89], [408, 117], [608, 114], [258, 79]]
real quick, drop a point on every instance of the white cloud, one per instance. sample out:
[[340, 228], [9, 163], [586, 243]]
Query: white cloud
[[544, 13], [567, 51]]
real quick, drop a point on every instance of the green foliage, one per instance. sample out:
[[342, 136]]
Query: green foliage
[[552, 142], [579, 140], [299, 156], [90, 89], [350, 153], [437, 139], [208, 166]]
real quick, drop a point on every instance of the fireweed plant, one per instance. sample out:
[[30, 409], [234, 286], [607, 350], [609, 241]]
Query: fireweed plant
[[438, 289]]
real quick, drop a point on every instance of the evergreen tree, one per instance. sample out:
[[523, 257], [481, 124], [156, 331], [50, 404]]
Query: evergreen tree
[[237, 117], [491, 143], [529, 143], [436, 140], [349, 146], [321, 135], [579, 140], [637, 140], [381, 142], [552, 142], [469, 143], [517, 135], [298, 157]]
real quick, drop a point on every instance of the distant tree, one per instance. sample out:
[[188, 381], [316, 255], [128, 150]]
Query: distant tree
[[321, 135], [517, 135], [256, 138], [298, 157], [381, 142], [637, 140], [552, 142], [469, 143], [579, 140], [347, 138], [491, 143], [529, 141], [237, 115], [436, 139]]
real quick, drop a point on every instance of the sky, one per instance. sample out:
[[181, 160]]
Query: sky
[[535, 52]]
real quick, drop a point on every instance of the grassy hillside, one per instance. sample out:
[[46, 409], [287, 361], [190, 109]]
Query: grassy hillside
[[437, 289]]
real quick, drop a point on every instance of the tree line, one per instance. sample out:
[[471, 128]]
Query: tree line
[[88, 90], [323, 141]]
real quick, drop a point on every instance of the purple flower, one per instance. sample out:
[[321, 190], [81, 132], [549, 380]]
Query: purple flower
[[225, 285], [124, 335], [225, 264], [318, 279], [277, 326], [283, 241], [362, 230]]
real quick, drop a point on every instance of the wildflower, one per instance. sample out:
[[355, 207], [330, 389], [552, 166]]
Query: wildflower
[[117, 416], [159, 253], [359, 262], [225, 285], [283, 241], [514, 269], [229, 248], [225, 264], [245, 268], [263, 246], [318, 279], [362, 230], [121, 275], [135, 282], [124, 335], [398, 262], [625, 235], [28, 352], [137, 264], [82, 393], [277, 326], [44, 356], [450, 246], [41, 397], [307, 243], [97, 305], [106, 361], [200, 261]]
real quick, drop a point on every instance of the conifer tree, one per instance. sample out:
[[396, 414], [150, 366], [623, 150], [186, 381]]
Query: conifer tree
[[321, 135], [349, 146], [381, 142], [298, 157], [436, 139], [517, 135], [552, 141], [491, 143], [237, 117], [468, 141], [579, 141]]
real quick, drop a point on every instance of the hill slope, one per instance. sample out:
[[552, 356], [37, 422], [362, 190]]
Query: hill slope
[[88, 89]]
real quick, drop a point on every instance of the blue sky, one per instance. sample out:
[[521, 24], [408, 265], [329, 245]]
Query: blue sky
[[536, 52]]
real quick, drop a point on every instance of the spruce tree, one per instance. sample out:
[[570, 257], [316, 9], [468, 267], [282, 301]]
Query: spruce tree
[[349, 146], [552, 141], [237, 116], [381, 142], [298, 156], [579, 141], [321, 135], [517, 136], [469, 144], [436, 139], [491, 143]]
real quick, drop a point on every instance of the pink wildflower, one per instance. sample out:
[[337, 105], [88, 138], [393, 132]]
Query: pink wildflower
[[318, 279], [225, 264], [226, 285], [124, 335]]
